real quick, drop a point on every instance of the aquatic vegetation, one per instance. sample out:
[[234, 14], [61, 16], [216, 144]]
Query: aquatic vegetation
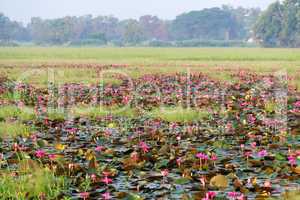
[[211, 140], [14, 129], [39, 183]]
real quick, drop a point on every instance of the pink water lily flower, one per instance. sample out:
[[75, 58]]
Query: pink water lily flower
[[203, 181], [84, 195], [262, 153], [233, 195], [40, 153], [202, 156], [210, 195], [94, 177], [106, 180], [214, 157], [179, 161], [99, 148], [165, 172], [144, 147], [106, 196], [297, 104], [52, 156], [292, 160], [253, 145]]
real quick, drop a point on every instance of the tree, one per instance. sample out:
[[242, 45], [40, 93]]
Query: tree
[[11, 30], [153, 28], [207, 24], [279, 25], [132, 31]]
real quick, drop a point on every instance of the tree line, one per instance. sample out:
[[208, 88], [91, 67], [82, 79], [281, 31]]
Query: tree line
[[279, 25]]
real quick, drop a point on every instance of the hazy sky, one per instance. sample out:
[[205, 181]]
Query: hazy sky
[[23, 10]]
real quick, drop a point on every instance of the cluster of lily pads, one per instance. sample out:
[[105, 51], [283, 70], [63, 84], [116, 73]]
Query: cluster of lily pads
[[163, 136]]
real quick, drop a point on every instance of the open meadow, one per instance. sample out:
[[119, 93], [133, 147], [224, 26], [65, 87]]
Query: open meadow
[[149, 123]]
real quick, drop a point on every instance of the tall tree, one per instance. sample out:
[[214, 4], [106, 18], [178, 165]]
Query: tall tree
[[207, 24], [279, 25], [11, 30], [132, 31]]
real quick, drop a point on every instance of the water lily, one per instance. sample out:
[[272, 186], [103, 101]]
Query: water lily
[[251, 119], [165, 172], [106, 196], [201, 156], [40, 153], [253, 145], [210, 195], [99, 148], [214, 157], [84, 195], [262, 153], [33, 137], [233, 195], [126, 99], [179, 161], [134, 156], [52, 156], [16, 147], [94, 177], [203, 181], [144, 147], [267, 184], [297, 104], [292, 160], [106, 180]]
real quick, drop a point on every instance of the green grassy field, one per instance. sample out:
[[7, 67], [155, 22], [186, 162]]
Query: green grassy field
[[145, 55], [78, 64]]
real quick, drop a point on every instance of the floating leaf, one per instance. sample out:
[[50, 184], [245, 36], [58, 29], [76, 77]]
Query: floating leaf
[[182, 181], [60, 147], [297, 169], [219, 181]]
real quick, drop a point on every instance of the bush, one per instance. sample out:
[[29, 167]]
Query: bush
[[88, 42]]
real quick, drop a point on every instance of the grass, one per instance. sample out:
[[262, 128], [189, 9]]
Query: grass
[[38, 65], [293, 195], [31, 185], [119, 55], [56, 115], [101, 111], [14, 129], [179, 114], [42, 76], [11, 111]]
